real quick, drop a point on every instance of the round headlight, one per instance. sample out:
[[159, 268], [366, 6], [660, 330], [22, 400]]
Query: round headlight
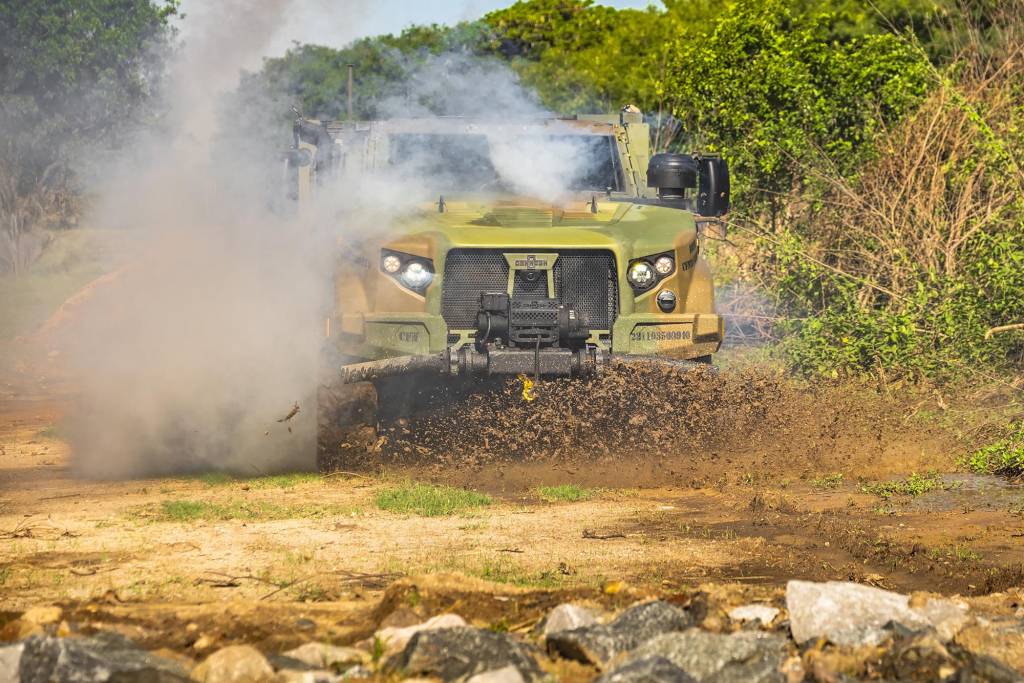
[[391, 264], [641, 274], [416, 275], [664, 265]]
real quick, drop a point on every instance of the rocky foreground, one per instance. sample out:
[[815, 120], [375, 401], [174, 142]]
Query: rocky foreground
[[813, 632]]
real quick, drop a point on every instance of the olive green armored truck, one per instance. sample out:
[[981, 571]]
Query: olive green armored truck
[[517, 264]]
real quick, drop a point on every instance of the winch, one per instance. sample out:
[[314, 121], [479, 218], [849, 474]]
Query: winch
[[529, 322]]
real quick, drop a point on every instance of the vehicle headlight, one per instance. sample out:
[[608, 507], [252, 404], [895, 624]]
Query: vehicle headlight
[[391, 264], [664, 265], [641, 275], [416, 275]]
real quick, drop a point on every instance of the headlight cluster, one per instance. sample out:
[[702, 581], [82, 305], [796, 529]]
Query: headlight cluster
[[646, 272], [412, 272]]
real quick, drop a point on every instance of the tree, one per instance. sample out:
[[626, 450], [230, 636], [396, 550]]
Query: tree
[[773, 87], [70, 72]]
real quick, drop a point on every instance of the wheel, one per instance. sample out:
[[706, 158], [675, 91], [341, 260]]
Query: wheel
[[346, 425], [704, 360]]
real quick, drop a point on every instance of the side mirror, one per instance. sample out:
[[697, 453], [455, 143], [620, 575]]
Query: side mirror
[[713, 186]]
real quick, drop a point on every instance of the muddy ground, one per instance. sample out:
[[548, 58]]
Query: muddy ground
[[785, 496]]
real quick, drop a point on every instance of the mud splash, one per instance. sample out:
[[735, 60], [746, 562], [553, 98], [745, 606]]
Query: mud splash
[[652, 425], [628, 409]]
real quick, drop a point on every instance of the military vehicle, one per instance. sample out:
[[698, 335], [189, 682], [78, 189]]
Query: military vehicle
[[487, 280]]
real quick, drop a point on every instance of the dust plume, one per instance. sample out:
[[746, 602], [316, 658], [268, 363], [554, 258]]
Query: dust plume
[[209, 335], [196, 353]]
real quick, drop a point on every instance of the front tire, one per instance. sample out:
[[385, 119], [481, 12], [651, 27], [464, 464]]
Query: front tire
[[346, 425]]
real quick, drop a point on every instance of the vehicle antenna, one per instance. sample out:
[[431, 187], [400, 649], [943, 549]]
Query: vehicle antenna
[[350, 67]]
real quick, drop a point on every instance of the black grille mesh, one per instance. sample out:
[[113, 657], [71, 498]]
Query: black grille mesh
[[583, 278]]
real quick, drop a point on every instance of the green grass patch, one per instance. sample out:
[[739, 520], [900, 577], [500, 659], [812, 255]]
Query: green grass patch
[[1004, 457], [511, 574], [272, 481], [252, 511], [285, 481], [955, 553], [913, 486], [829, 481], [564, 493], [429, 500]]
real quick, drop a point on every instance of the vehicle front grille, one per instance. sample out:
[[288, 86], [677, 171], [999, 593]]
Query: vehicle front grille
[[584, 278]]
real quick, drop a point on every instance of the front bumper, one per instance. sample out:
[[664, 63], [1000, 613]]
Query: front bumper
[[381, 336], [468, 362]]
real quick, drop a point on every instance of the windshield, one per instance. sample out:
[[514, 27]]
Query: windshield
[[536, 164]]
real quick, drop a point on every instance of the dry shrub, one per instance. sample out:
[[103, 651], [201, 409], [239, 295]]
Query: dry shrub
[[946, 174], [908, 263]]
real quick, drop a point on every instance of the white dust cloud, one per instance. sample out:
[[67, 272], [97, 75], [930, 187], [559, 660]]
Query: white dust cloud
[[192, 357]]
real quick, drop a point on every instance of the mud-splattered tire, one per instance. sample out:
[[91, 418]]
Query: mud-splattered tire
[[346, 425]]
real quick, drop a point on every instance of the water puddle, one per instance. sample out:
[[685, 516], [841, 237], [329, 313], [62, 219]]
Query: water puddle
[[973, 492]]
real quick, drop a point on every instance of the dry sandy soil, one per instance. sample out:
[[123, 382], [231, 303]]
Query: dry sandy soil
[[317, 553]]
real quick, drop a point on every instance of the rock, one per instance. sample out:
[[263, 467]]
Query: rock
[[764, 613], [104, 657], [234, 664], [42, 616], [846, 613], [743, 656], [566, 617], [324, 656], [647, 670], [395, 638], [918, 657], [947, 617], [10, 660], [456, 654], [358, 673], [509, 674], [203, 642], [308, 676], [1002, 640], [601, 643]]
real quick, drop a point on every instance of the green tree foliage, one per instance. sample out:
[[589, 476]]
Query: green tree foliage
[[911, 261], [74, 70], [772, 87], [582, 57], [71, 73]]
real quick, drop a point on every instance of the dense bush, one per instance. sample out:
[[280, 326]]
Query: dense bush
[[911, 260]]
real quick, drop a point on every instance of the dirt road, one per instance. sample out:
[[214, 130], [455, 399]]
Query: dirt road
[[308, 538]]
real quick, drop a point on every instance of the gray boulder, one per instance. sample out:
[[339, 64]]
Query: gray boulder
[[234, 664], [10, 660], [846, 613], [326, 656], [566, 617], [601, 643], [745, 656], [456, 654], [647, 670], [104, 657], [509, 674]]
